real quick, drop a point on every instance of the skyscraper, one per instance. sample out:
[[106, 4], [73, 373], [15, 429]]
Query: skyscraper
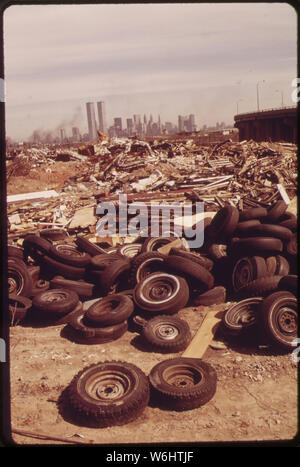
[[91, 120], [101, 116]]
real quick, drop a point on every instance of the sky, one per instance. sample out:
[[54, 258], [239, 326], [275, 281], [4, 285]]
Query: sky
[[162, 59]]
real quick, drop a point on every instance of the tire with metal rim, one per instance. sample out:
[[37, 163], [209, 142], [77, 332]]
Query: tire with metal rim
[[166, 334], [183, 383], [144, 264], [59, 301], [161, 292], [69, 254], [19, 280], [112, 309], [243, 315], [247, 270], [280, 317], [131, 250], [108, 393], [17, 307]]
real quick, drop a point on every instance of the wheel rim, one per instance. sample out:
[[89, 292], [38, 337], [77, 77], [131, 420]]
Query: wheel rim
[[182, 376], [159, 289], [107, 385], [287, 320], [51, 296], [166, 331], [242, 274]]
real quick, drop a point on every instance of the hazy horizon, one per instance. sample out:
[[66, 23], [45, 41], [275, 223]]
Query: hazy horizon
[[159, 59]]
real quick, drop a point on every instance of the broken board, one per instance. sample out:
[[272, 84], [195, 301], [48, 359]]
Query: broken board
[[204, 335]]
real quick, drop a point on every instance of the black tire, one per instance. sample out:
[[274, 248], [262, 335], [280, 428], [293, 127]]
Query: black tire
[[100, 262], [280, 317], [83, 289], [260, 246], [161, 293], [53, 235], [242, 227], [113, 309], [213, 296], [183, 383], [58, 301], [131, 250], [15, 251], [292, 246], [109, 393], [70, 255], [17, 307], [85, 332], [276, 211], [89, 247], [207, 263], [35, 246], [288, 220], [166, 333], [253, 213], [19, 279], [224, 223], [191, 269], [242, 316], [269, 230], [260, 287], [282, 266], [144, 264], [289, 283], [112, 274], [59, 268], [248, 269]]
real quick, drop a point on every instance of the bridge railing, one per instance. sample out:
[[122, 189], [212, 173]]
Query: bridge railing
[[267, 110]]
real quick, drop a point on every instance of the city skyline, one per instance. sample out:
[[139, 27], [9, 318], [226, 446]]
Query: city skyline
[[166, 59]]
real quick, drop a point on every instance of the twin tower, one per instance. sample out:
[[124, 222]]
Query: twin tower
[[91, 118]]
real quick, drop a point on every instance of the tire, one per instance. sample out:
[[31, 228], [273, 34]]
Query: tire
[[213, 296], [161, 293], [289, 283], [247, 270], [35, 246], [58, 301], [260, 287], [154, 243], [224, 223], [66, 318], [131, 250], [288, 220], [260, 246], [112, 274], [19, 280], [282, 266], [53, 235], [292, 246], [275, 211], [280, 317], [110, 310], [109, 393], [242, 316], [191, 269], [83, 289], [207, 263], [15, 251], [70, 255], [242, 227], [100, 262], [89, 247], [85, 332], [183, 383], [144, 264], [39, 286], [253, 213], [166, 334], [59, 268], [269, 230], [17, 307]]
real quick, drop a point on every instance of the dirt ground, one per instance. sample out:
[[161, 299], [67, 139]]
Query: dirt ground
[[256, 397]]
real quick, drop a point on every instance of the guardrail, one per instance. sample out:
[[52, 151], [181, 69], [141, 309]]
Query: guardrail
[[267, 110]]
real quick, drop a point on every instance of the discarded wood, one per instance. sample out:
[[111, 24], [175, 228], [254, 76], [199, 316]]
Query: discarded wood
[[204, 335], [33, 434]]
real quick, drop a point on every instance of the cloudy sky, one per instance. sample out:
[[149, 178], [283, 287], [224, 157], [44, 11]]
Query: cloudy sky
[[166, 59]]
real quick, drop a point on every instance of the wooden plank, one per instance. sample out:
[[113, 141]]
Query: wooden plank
[[204, 335]]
